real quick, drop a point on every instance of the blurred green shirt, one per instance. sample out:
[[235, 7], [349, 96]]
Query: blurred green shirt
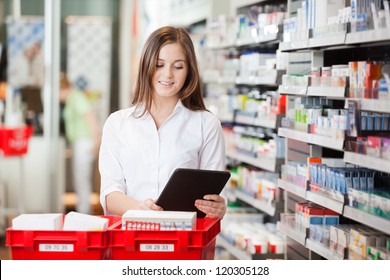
[[76, 123]]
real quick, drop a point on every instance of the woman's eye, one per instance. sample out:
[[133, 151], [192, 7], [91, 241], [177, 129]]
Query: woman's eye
[[178, 67], [159, 65]]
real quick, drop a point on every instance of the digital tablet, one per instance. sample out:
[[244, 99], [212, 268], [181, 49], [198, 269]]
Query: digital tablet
[[187, 185]]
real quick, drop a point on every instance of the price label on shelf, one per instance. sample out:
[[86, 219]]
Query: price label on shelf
[[56, 248], [157, 247]]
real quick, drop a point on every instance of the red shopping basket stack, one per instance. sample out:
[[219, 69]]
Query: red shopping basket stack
[[14, 141], [59, 244], [196, 244]]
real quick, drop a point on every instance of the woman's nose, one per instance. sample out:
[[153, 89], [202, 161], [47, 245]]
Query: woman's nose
[[168, 71]]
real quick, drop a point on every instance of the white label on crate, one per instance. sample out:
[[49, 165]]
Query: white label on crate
[[56, 248], [157, 247]]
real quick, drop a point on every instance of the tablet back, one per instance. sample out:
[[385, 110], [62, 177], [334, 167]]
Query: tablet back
[[187, 185]]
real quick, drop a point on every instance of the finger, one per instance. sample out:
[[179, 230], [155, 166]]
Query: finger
[[211, 209], [214, 197], [154, 206], [149, 204]]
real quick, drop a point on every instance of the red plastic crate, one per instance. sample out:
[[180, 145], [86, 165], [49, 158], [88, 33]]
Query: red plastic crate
[[59, 244], [14, 141], [196, 244]]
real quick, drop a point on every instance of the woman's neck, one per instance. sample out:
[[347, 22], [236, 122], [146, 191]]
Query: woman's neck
[[161, 109]]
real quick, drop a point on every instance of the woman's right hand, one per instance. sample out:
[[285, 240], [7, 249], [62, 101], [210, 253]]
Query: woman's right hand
[[150, 204]]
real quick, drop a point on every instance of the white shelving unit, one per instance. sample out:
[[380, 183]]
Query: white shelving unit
[[241, 254], [294, 46], [334, 92], [235, 251], [320, 199], [368, 36], [368, 161], [266, 79], [269, 164], [322, 250], [314, 139], [291, 232], [293, 90], [367, 219], [344, 43], [375, 105], [331, 40], [292, 188], [259, 204], [272, 123]]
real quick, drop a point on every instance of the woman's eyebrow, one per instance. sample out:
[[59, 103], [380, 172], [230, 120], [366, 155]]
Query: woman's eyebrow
[[177, 60]]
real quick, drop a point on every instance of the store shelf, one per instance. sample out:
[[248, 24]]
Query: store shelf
[[322, 250], [236, 4], [262, 122], [375, 105], [367, 161], [236, 252], [264, 77], [267, 38], [294, 45], [329, 92], [367, 219], [293, 90], [320, 199], [186, 14], [368, 36], [243, 255], [319, 140], [231, 194], [324, 201], [272, 165], [297, 190], [327, 41], [291, 232], [261, 205]]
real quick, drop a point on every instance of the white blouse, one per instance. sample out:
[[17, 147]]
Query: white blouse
[[137, 159]]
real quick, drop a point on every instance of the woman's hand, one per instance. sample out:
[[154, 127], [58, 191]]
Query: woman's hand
[[213, 205], [149, 204]]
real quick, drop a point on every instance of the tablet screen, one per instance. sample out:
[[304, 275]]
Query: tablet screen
[[187, 185]]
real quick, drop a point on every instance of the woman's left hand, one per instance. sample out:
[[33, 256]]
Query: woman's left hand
[[213, 205]]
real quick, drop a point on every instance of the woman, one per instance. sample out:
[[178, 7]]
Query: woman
[[166, 127]]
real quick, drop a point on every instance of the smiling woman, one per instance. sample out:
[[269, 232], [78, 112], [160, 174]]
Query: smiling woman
[[168, 80], [167, 127]]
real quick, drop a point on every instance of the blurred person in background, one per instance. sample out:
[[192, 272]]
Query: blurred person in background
[[82, 133]]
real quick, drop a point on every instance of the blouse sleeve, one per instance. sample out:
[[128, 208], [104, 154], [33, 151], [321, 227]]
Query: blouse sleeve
[[110, 168], [212, 154]]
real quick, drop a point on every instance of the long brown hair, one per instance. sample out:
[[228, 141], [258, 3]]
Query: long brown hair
[[191, 93]]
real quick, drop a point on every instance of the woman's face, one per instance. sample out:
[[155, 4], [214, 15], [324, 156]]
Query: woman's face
[[171, 71]]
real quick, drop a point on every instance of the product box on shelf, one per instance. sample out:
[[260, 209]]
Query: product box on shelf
[[380, 204], [320, 234], [339, 239], [375, 253], [361, 239]]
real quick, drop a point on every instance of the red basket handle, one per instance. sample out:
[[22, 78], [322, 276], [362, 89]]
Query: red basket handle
[[81, 237]]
